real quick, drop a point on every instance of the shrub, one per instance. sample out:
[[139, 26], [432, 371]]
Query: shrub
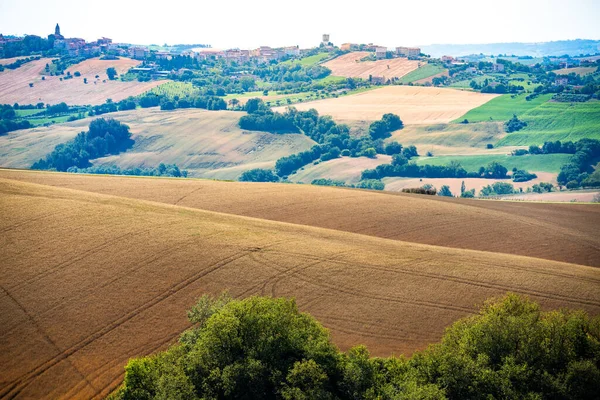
[[420, 190], [259, 175], [445, 191], [514, 124]]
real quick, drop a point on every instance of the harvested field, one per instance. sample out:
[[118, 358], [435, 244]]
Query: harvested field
[[414, 104], [206, 143], [528, 229], [14, 84], [127, 270], [397, 184], [576, 70], [347, 169], [350, 66]]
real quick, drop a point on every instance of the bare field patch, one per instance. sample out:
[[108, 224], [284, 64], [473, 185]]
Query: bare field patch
[[14, 84], [397, 184], [350, 66], [347, 169], [414, 104], [89, 281], [206, 143], [526, 229]]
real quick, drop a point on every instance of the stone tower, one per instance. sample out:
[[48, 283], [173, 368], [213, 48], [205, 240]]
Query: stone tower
[[57, 30]]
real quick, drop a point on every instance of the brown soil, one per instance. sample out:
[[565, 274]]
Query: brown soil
[[90, 280]]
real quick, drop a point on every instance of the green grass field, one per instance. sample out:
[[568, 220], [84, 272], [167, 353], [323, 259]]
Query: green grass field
[[310, 60], [466, 84], [331, 79], [27, 113], [172, 89], [538, 162], [503, 107], [421, 73], [557, 121]]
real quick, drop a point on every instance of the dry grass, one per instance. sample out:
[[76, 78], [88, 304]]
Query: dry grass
[[574, 196], [90, 280], [577, 70], [14, 84], [414, 104], [347, 169], [206, 143], [527, 229], [350, 66]]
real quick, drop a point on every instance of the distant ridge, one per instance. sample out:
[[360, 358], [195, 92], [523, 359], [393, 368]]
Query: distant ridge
[[540, 49]]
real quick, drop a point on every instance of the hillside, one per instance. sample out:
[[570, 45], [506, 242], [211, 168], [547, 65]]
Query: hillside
[[206, 143], [128, 269], [414, 105], [347, 169], [14, 84], [350, 66], [526, 229]]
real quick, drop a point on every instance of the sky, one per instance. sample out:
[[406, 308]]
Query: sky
[[249, 24]]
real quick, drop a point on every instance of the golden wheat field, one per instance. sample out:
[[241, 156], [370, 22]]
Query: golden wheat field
[[350, 66], [14, 84], [515, 228], [89, 280], [414, 104], [206, 143]]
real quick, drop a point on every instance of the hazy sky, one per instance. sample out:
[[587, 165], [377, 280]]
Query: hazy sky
[[250, 23]]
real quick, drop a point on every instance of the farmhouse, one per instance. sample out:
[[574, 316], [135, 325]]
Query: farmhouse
[[380, 52], [561, 81], [447, 59], [293, 51], [408, 51], [138, 53], [378, 80], [498, 67]]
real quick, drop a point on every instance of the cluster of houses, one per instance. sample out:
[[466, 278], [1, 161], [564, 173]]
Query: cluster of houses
[[382, 52]]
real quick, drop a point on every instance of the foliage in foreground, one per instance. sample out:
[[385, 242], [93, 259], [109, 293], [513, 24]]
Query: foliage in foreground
[[265, 348]]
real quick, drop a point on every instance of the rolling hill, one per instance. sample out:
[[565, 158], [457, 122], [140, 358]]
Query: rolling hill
[[526, 229], [350, 66], [206, 143], [14, 84], [90, 280], [414, 104]]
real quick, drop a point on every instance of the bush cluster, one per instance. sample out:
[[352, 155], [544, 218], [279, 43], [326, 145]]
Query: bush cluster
[[104, 137], [265, 348]]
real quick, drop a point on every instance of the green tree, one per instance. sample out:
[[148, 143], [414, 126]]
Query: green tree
[[111, 72], [445, 191]]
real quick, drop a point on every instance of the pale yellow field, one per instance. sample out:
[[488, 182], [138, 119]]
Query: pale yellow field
[[452, 139], [414, 104], [90, 280], [349, 65], [397, 184], [206, 143], [577, 70], [14, 84], [347, 169]]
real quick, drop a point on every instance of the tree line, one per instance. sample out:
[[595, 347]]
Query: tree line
[[578, 171], [170, 170], [104, 137], [265, 348]]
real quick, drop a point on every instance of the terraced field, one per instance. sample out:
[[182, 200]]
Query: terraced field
[[128, 269], [206, 143], [14, 84]]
